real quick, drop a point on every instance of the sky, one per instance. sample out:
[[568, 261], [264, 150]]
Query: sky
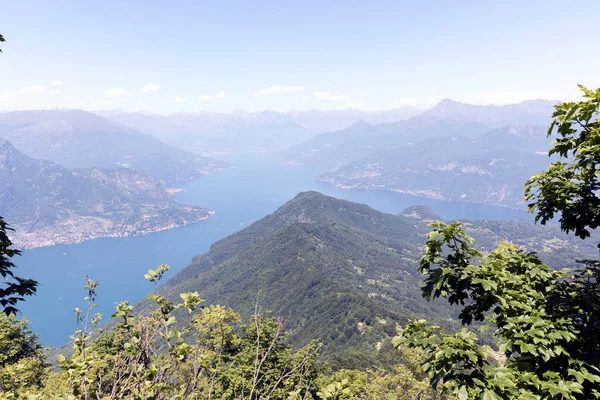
[[185, 56]]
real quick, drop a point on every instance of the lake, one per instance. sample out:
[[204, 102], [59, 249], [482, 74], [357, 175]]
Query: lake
[[240, 196]]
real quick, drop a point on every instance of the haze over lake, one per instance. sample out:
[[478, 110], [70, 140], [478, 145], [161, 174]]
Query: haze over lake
[[256, 187]]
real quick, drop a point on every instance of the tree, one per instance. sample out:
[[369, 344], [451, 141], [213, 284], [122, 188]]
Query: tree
[[22, 364], [547, 322], [570, 188], [186, 351], [403, 381], [14, 288]]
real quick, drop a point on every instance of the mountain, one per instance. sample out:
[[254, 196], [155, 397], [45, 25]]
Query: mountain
[[244, 132], [49, 204], [530, 112], [333, 149], [491, 168], [216, 133], [320, 121], [448, 118], [523, 137], [341, 272], [79, 139], [338, 271]]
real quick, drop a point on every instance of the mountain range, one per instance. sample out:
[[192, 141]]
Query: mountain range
[[265, 131], [491, 168], [48, 204], [113, 138], [454, 151], [334, 149], [247, 132], [530, 112], [79, 139], [447, 118]]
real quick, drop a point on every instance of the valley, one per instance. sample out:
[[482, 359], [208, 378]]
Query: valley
[[137, 201], [299, 200], [239, 196]]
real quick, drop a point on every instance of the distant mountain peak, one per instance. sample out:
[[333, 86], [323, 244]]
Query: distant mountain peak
[[539, 102], [361, 124], [449, 102], [530, 112], [358, 127]]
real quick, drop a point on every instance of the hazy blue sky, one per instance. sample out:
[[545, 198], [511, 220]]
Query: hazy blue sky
[[252, 55]]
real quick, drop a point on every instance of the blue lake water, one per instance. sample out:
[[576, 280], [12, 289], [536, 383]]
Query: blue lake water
[[240, 196]]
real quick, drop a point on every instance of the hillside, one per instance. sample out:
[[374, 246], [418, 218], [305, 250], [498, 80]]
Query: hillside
[[487, 169], [552, 245], [79, 139], [338, 271], [49, 204]]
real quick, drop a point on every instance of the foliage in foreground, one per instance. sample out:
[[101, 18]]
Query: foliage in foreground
[[21, 356], [546, 350], [569, 189], [215, 356]]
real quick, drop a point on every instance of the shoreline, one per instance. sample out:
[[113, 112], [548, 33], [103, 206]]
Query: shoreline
[[25, 243], [416, 193]]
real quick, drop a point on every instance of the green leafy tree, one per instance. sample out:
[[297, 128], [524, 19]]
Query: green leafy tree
[[514, 292], [13, 289], [546, 321], [22, 364], [401, 382], [182, 351], [570, 189]]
